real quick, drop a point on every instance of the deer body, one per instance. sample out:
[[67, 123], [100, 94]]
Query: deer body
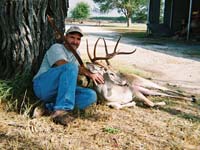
[[115, 96], [115, 91], [119, 90], [111, 93]]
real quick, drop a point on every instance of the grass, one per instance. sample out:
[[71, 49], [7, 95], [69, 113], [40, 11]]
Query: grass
[[129, 69], [135, 31], [17, 94], [111, 130]]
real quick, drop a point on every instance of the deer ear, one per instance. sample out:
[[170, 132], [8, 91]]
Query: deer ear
[[91, 67]]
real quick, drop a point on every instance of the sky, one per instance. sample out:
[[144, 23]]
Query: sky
[[72, 4]]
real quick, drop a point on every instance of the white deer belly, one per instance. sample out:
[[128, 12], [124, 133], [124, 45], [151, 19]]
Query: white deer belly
[[121, 94]]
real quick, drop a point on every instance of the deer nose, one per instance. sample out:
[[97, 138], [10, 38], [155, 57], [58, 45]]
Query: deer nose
[[124, 82]]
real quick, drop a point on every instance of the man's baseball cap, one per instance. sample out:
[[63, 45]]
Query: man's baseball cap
[[74, 29]]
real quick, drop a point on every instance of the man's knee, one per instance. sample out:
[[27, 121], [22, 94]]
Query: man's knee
[[92, 94], [71, 67]]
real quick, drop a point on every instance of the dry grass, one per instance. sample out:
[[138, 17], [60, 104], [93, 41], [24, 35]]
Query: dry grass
[[175, 126]]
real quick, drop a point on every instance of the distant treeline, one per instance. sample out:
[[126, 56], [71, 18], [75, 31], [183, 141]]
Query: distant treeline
[[121, 19]]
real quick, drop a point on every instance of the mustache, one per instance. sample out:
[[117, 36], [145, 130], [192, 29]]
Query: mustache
[[73, 44]]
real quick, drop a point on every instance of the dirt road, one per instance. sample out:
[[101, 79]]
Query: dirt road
[[167, 63]]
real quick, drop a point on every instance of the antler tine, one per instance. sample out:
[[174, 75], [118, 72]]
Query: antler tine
[[99, 58], [115, 49], [119, 53], [93, 60], [88, 51], [108, 56], [95, 47], [106, 49]]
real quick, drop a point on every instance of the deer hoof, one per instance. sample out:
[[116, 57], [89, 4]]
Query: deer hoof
[[194, 100], [160, 104]]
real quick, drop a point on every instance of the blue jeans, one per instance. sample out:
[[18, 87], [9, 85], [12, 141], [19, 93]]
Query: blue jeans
[[58, 87]]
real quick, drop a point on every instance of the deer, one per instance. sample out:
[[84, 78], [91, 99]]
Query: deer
[[119, 89]]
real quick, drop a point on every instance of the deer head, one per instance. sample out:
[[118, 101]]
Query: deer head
[[98, 67], [114, 82]]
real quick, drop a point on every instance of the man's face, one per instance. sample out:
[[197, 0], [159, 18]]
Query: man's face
[[74, 39]]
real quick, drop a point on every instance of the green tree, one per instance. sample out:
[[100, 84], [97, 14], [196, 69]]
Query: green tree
[[126, 7], [81, 11], [141, 14]]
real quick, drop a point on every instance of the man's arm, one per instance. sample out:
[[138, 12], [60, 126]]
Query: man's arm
[[97, 78], [59, 62]]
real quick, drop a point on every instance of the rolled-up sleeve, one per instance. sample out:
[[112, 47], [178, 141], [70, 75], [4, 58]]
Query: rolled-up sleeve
[[55, 53]]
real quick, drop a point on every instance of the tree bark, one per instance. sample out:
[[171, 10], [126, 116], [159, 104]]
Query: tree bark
[[26, 34]]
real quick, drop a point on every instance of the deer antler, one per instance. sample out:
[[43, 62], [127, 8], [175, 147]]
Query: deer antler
[[108, 56], [94, 60]]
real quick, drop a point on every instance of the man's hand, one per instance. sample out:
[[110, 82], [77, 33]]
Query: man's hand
[[96, 77]]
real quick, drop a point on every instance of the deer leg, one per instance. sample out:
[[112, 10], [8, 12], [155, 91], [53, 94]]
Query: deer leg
[[140, 96], [146, 91], [178, 95], [142, 82], [115, 105], [139, 81], [163, 94], [139, 93], [131, 104]]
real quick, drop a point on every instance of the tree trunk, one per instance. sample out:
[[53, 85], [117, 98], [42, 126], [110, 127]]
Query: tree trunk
[[128, 21], [26, 34]]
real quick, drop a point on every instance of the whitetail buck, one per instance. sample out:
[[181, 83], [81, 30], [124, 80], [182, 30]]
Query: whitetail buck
[[119, 89]]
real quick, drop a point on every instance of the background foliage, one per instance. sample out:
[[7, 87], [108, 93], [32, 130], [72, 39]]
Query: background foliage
[[81, 11]]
